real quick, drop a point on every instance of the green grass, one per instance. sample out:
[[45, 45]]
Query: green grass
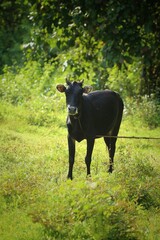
[[36, 200]]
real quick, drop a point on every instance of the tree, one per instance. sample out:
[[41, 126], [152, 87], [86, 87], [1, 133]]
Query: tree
[[113, 32], [14, 30], [102, 32]]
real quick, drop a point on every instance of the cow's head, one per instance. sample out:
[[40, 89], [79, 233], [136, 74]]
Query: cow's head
[[73, 91]]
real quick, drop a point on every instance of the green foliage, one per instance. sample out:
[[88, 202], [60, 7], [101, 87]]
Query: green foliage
[[126, 81], [18, 226], [97, 34], [17, 88], [91, 210], [145, 109], [150, 111], [34, 88], [42, 111], [15, 30]]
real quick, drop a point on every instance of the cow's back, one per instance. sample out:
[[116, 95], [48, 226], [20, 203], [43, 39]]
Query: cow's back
[[105, 109]]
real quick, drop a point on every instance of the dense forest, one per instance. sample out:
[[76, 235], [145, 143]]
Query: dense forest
[[109, 44]]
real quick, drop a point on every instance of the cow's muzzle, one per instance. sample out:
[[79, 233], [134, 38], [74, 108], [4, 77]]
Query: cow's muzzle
[[72, 110]]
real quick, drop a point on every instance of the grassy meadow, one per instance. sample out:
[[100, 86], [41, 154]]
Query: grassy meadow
[[109, 44], [38, 203]]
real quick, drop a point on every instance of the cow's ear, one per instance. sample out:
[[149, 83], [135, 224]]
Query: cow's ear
[[87, 89], [61, 88]]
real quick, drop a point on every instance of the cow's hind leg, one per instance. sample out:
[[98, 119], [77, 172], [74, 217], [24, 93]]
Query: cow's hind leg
[[111, 142], [88, 158], [111, 145]]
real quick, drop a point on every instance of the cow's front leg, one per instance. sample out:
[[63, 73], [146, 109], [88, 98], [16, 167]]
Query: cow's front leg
[[88, 158], [71, 148]]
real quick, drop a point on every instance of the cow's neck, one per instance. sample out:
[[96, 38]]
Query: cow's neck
[[76, 122]]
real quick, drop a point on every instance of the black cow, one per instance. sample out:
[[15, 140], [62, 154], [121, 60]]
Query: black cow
[[91, 115]]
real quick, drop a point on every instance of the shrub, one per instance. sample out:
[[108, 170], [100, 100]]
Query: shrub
[[150, 111], [19, 85], [88, 211], [146, 109]]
